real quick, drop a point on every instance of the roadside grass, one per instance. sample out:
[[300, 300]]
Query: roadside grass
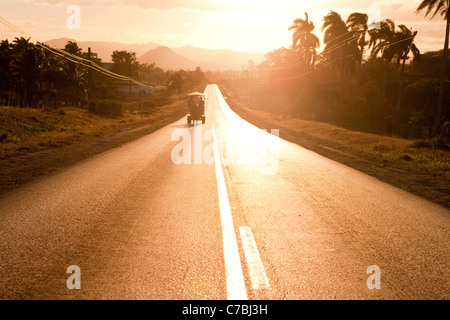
[[403, 153], [417, 166], [30, 130], [24, 131], [34, 143]]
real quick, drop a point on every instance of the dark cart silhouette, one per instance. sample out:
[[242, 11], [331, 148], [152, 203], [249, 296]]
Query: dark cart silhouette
[[196, 107]]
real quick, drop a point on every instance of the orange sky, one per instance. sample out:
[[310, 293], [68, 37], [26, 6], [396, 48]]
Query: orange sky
[[243, 25]]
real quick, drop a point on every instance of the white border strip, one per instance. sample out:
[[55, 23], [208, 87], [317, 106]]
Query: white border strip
[[233, 270], [258, 276]]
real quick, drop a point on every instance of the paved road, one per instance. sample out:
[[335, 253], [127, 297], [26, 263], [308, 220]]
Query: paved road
[[245, 216]]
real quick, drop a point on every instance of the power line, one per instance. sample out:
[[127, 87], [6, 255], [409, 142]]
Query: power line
[[71, 57], [333, 48], [352, 36], [299, 59], [309, 72]]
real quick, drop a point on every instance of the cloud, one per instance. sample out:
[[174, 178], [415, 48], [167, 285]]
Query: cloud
[[199, 5], [227, 23], [143, 4]]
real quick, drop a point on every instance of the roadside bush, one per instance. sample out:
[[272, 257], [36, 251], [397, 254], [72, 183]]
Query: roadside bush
[[102, 108], [106, 108], [92, 106], [133, 107], [316, 103], [150, 104], [420, 95]]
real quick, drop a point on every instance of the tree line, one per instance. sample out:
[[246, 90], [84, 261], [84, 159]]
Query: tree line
[[32, 76], [369, 77]]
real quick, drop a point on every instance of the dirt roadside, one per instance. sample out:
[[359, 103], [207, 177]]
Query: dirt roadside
[[419, 181], [19, 170]]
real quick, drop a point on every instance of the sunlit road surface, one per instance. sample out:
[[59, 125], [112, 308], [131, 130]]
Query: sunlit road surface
[[251, 217]]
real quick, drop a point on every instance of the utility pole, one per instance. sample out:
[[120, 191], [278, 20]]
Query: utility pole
[[129, 74], [89, 76], [142, 103], [341, 75]]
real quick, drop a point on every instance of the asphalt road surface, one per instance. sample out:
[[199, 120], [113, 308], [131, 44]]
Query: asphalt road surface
[[219, 211]]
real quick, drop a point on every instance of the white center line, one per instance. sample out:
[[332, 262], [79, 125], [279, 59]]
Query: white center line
[[258, 276], [233, 270]]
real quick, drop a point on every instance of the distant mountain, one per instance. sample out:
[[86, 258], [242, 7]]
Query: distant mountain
[[234, 59], [187, 57], [168, 59], [105, 49]]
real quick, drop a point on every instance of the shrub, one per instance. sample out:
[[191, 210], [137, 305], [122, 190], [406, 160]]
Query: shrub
[[115, 108], [405, 157], [150, 104], [102, 108], [106, 108], [92, 106], [421, 144], [132, 107]]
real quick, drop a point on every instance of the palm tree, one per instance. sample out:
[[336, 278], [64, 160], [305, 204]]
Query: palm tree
[[337, 36], [443, 8], [405, 38], [405, 45], [340, 44], [381, 39], [357, 24], [382, 42], [304, 41]]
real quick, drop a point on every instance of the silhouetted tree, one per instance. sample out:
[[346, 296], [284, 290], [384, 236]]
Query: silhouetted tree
[[125, 63], [340, 42], [382, 42], [340, 46], [177, 82], [304, 41], [405, 38], [443, 8], [76, 79], [198, 77], [25, 70], [5, 70], [357, 24], [73, 48]]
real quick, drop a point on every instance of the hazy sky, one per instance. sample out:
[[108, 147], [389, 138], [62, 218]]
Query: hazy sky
[[243, 25]]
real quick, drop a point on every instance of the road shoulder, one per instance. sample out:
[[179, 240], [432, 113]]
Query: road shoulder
[[431, 186], [19, 170]]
